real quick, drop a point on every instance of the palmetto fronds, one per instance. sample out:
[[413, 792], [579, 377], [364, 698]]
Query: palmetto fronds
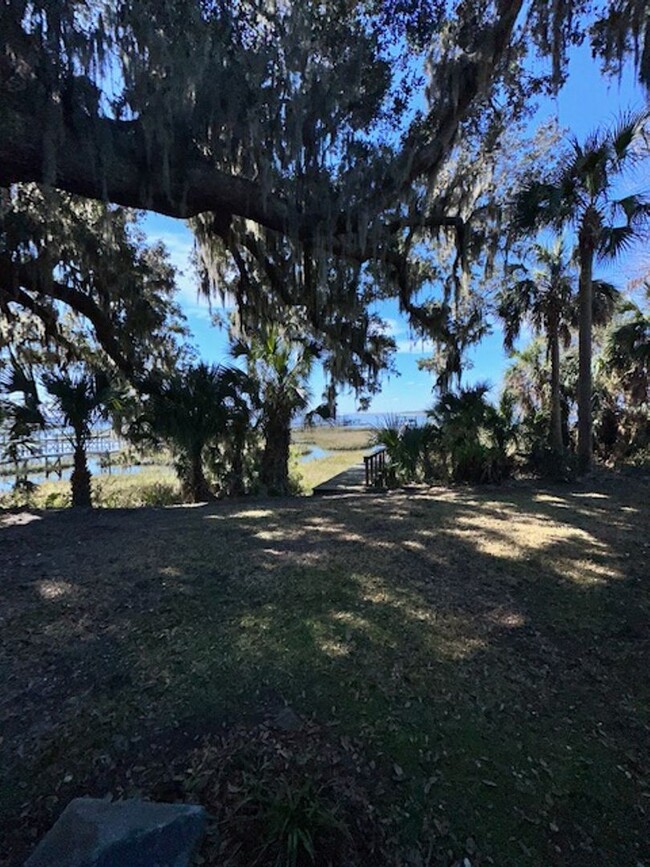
[[583, 180], [83, 398]]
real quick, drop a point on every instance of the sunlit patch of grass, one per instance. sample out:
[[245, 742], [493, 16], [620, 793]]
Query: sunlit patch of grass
[[54, 589], [320, 470], [248, 514]]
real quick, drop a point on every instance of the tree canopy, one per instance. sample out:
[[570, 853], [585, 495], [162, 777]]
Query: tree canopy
[[78, 281], [331, 141]]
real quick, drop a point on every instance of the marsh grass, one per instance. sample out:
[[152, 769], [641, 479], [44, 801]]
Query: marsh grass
[[157, 485], [150, 486], [333, 438]]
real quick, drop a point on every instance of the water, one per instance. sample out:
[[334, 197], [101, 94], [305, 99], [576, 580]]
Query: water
[[7, 482], [374, 419], [314, 453]]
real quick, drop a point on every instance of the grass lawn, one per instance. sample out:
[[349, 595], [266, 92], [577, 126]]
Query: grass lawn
[[444, 673]]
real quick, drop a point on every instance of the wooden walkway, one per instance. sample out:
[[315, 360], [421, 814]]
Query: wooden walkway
[[351, 481], [364, 478]]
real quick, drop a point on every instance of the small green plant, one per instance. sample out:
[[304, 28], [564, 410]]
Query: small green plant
[[296, 820], [134, 496], [57, 500]]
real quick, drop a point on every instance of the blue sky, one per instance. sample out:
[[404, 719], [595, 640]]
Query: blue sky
[[587, 101]]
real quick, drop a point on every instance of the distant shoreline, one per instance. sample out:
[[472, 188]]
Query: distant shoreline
[[367, 419]]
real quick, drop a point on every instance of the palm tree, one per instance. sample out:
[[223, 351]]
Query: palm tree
[[280, 367], [546, 300], [526, 379], [626, 351], [19, 419], [189, 412], [543, 299], [580, 193], [622, 381], [82, 400]]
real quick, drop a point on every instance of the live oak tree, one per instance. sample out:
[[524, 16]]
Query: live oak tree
[[299, 125], [78, 282], [86, 307]]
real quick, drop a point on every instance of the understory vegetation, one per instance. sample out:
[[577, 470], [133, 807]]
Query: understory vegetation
[[533, 429]]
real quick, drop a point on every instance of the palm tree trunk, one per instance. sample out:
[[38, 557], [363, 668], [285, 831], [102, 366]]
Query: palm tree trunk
[[237, 473], [197, 489], [274, 469], [80, 478], [585, 448], [556, 409]]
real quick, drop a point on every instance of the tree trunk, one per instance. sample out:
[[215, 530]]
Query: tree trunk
[[80, 478], [274, 471], [585, 448], [236, 487], [195, 487], [556, 409]]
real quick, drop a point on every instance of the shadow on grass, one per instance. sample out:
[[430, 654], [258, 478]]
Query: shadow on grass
[[491, 646]]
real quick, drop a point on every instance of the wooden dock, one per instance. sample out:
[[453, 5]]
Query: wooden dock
[[363, 478]]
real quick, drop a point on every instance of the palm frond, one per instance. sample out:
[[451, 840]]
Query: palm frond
[[616, 240], [628, 137], [542, 203], [634, 208], [605, 297]]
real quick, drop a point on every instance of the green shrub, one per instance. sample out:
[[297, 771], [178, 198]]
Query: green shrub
[[136, 495], [476, 463], [58, 500], [548, 463], [472, 440], [408, 452]]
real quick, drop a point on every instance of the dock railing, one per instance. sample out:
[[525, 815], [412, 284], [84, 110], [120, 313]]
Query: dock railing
[[375, 466]]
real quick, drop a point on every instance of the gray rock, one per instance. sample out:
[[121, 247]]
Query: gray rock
[[287, 720], [97, 833]]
